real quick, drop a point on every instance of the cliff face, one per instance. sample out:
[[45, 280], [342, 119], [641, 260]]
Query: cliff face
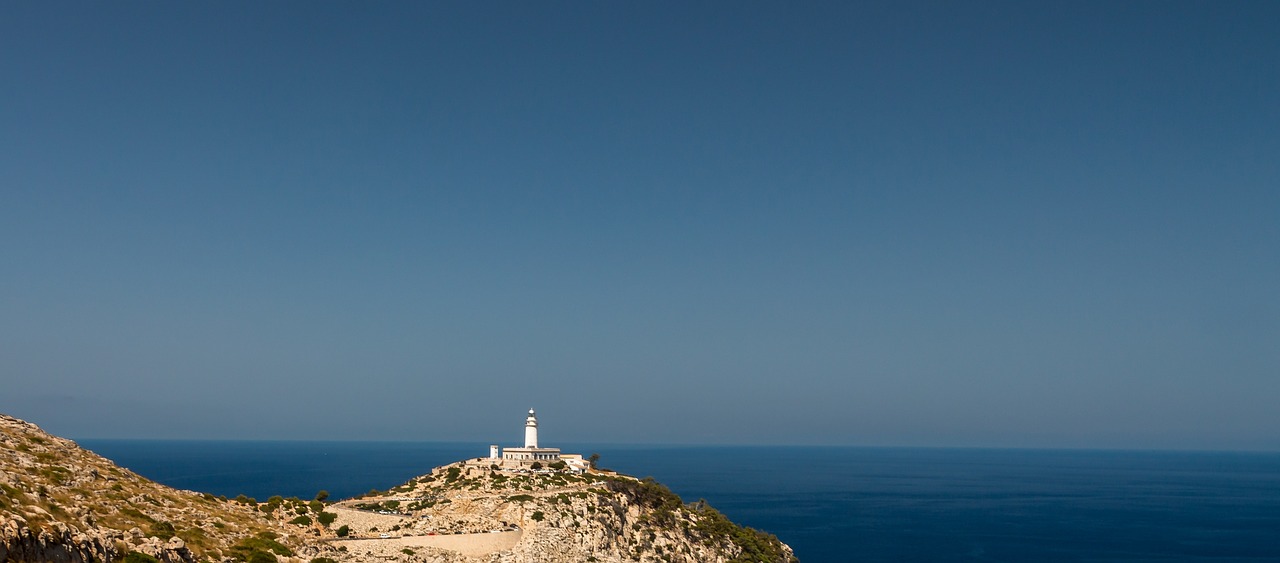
[[64, 504]]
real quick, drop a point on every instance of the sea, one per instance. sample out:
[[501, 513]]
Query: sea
[[837, 504]]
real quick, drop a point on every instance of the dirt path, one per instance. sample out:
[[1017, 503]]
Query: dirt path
[[471, 545]]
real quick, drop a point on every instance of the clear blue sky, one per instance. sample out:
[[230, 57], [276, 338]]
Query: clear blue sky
[[955, 223]]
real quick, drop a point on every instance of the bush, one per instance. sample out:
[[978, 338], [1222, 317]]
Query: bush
[[651, 494], [301, 521], [344, 531], [163, 530], [755, 545], [538, 516], [536, 465], [316, 506], [558, 465], [139, 557], [322, 496], [258, 556], [326, 518], [259, 549]]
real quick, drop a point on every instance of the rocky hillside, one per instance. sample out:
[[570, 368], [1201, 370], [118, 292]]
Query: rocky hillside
[[544, 516], [61, 503]]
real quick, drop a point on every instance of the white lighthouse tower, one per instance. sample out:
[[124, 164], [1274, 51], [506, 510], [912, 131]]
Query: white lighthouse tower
[[530, 453], [531, 430]]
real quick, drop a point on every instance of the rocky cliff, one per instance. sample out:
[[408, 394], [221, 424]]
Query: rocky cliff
[[61, 503]]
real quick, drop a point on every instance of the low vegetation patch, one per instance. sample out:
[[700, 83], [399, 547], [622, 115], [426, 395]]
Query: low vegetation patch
[[259, 549], [138, 557]]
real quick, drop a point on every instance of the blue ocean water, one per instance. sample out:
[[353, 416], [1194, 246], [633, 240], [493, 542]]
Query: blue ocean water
[[843, 504]]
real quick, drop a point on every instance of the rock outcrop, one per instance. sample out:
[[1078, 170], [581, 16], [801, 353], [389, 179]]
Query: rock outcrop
[[559, 516]]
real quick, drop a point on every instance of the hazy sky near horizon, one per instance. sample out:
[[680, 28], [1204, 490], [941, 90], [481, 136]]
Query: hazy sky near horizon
[[1043, 224]]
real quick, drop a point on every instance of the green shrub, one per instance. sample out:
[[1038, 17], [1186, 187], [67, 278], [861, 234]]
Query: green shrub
[[301, 521], [322, 496], [538, 516], [326, 518], [316, 506], [344, 531], [646, 492], [258, 556], [755, 545], [259, 549], [163, 530], [138, 557]]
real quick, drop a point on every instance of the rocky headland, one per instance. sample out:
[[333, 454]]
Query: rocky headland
[[61, 503]]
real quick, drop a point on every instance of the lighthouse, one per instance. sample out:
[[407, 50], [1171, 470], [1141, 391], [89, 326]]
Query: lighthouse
[[531, 457], [531, 430], [531, 453]]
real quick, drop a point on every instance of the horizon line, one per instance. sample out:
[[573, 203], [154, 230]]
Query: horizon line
[[682, 445]]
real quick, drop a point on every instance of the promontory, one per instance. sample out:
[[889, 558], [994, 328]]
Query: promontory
[[61, 503]]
